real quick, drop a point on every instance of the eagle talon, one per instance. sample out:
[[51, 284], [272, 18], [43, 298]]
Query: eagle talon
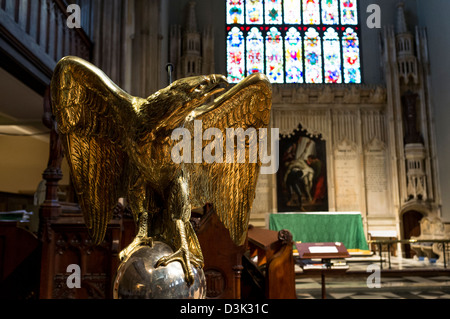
[[186, 259], [138, 241]]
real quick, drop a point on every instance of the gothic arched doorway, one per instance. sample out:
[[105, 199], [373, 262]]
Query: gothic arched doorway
[[411, 227]]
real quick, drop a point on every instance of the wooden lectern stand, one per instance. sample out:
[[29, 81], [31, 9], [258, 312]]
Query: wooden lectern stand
[[326, 252]]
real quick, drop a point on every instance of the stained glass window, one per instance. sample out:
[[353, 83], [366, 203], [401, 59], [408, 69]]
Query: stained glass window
[[311, 12], [349, 12], [255, 52], [235, 55], [350, 48], [235, 12], [330, 12], [254, 11], [294, 60], [332, 57], [292, 12], [313, 57], [274, 56], [274, 12], [294, 41]]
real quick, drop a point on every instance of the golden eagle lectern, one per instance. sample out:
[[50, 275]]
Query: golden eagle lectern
[[118, 145]]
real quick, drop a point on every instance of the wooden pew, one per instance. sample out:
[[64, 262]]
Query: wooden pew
[[268, 265], [223, 258]]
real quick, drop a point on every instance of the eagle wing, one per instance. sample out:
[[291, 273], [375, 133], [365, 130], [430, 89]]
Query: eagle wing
[[92, 115], [230, 187]]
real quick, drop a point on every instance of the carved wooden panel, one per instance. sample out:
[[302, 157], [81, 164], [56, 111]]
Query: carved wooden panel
[[215, 282], [70, 244], [223, 259]]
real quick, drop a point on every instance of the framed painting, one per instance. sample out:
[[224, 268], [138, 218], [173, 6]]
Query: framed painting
[[302, 177]]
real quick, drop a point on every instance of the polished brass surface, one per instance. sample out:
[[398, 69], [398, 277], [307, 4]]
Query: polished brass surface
[[118, 145]]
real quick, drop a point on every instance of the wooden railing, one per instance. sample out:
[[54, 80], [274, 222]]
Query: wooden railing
[[38, 30]]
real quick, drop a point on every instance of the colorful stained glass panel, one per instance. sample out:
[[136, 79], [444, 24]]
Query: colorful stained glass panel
[[352, 63], [294, 59], [255, 51], [235, 55], [274, 56], [313, 57], [274, 11], [254, 11], [330, 12], [332, 57], [349, 12], [292, 12], [235, 11], [311, 12], [293, 41]]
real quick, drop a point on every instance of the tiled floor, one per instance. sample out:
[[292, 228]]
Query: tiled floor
[[405, 286]]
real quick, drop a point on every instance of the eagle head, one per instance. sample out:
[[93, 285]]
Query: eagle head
[[171, 105]]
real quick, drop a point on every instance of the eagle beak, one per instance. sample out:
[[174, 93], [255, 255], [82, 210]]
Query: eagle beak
[[211, 86]]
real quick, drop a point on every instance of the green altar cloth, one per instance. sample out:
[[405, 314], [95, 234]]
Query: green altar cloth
[[346, 228]]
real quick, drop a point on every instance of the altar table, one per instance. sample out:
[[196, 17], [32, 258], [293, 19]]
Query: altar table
[[346, 228]]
